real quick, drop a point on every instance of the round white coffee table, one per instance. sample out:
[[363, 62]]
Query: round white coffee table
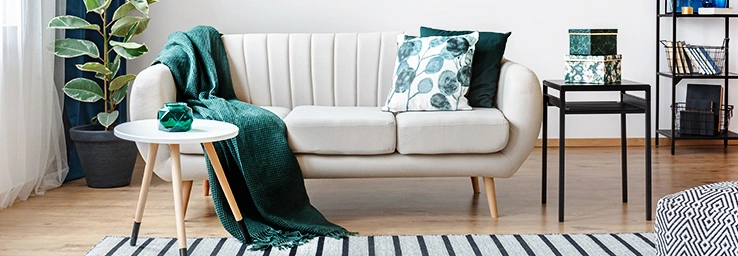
[[204, 132]]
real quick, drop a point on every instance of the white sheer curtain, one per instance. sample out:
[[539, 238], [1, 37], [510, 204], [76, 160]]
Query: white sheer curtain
[[32, 154]]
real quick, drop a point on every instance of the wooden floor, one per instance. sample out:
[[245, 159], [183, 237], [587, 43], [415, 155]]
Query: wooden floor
[[71, 219]]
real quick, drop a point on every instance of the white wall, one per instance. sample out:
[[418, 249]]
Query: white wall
[[539, 34]]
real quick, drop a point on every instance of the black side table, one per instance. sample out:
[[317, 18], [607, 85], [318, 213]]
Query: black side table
[[628, 104]]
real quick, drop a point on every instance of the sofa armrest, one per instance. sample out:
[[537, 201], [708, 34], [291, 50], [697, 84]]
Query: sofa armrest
[[520, 99], [153, 87]]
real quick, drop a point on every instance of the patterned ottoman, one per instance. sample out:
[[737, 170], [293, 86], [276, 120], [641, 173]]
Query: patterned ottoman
[[699, 221]]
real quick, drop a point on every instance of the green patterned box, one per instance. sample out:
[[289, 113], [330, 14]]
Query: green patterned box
[[593, 69], [593, 41]]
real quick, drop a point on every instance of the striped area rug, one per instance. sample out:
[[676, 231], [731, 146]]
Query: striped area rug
[[447, 245]]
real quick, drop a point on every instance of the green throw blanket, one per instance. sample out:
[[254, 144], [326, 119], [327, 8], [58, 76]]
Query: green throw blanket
[[262, 170]]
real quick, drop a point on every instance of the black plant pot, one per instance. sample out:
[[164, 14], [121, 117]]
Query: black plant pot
[[106, 160]]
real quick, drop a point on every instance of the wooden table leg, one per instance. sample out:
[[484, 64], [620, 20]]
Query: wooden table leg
[[178, 204], [186, 191], [206, 187], [145, 183], [227, 190]]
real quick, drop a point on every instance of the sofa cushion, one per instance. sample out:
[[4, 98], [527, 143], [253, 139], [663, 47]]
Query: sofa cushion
[[196, 149], [432, 73], [485, 66], [341, 130], [479, 131], [279, 111]]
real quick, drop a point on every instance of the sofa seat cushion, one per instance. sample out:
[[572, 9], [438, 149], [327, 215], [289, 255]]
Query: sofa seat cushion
[[196, 149], [341, 130], [482, 130]]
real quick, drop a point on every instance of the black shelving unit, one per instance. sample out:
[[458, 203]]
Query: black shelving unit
[[673, 17]]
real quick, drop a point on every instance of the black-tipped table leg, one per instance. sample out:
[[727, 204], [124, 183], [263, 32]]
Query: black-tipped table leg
[[244, 231], [145, 183], [218, 169], [134, 233], [178, 200]]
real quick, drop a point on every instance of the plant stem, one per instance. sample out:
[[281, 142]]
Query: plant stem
[[104, 15]]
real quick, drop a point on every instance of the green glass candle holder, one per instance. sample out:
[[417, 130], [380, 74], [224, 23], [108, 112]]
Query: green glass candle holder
[[175, 117]]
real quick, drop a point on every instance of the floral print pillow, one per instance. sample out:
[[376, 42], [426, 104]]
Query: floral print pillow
[[432, 73]]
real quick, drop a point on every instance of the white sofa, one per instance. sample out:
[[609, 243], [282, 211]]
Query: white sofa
[[329, 88]]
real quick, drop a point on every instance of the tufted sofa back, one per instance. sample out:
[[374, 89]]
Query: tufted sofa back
[[289, 70]]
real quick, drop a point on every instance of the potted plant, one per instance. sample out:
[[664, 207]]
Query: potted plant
[[106, 160]]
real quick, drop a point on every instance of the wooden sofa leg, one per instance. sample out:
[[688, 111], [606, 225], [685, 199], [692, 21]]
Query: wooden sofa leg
[[475, 184], [206, 187], [489, 186], [186, 190]]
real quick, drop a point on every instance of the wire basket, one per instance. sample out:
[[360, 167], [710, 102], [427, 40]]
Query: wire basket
[[701, 121], [696, 59]]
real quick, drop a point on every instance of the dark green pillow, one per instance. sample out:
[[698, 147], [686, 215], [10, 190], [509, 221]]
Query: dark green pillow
[[485, 66]]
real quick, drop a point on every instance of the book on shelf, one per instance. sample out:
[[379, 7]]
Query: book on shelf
[[713, 11], [705, 98], [686, 64], [714, 66], [689, 59], [675, 62], [702, 64]]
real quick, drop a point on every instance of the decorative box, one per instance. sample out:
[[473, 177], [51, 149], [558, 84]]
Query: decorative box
[[593, 69], [593, 41]]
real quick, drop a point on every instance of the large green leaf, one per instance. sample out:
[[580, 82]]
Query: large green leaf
[[67, 48], [152, 1], [97, 6], [115, 65], [123, 25], [141, 26], [94, 67], [127, 45], [123, 10], [120, 94], [71, 22], [130, 53], [106, 119], [120, 81], [129, 35], [83, 89], [141, 5]]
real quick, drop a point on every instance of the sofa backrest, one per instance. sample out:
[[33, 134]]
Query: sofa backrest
[[289, 70]]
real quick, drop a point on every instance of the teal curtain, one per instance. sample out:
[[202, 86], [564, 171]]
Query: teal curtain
[[80, 113]]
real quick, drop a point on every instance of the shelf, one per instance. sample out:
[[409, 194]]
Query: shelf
[[734, 15], [600, 107], [723, 136], [698, 76], [676, 78]]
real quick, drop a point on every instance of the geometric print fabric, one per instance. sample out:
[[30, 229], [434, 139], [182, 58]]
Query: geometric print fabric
[[698, 221]]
